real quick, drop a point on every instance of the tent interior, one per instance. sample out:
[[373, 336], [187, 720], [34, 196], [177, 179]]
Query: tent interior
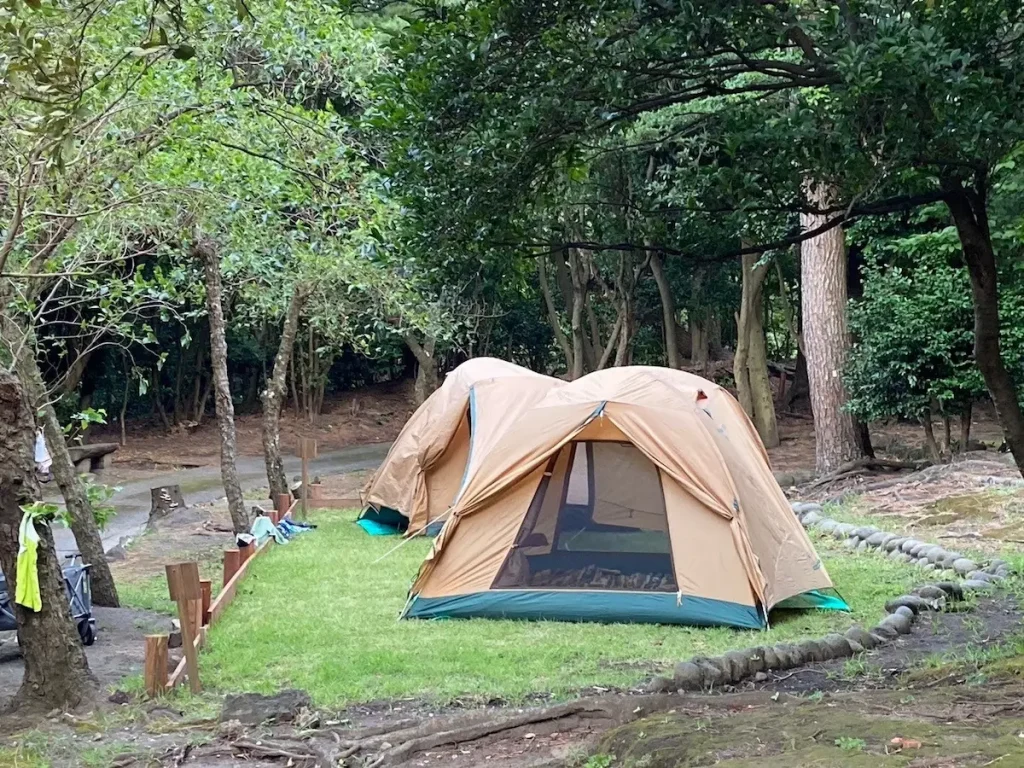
[[597, 521]]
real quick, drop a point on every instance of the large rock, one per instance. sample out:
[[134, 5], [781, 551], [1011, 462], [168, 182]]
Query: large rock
[[810, 519], [935, 554], [894, 543], [995, 565], [877, 539], [837, 646], [755, 659], [803, 507], [255, 708], [897, 621], [844, 530], [739, 666], [771, 658], [963, 566], [883, 633], [826, 526], [861, 636], [687, 676], [865, 531], [952, 589], [920, 548], [982, 576], [976, 586], [661, 684], [930, 592], [909, 545], [914, 602]]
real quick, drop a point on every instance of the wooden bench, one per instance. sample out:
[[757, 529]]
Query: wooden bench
[[91, 457]]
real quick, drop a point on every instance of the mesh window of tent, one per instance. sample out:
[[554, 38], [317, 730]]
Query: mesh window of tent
[[597, 521]]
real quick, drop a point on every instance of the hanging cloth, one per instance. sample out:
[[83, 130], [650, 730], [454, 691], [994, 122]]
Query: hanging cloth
[[27, 590]]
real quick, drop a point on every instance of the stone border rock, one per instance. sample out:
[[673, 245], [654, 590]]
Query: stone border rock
[[707, 673], [905, 549]]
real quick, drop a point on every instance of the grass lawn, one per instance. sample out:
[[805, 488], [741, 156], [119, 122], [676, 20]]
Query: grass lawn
[[318, 614]]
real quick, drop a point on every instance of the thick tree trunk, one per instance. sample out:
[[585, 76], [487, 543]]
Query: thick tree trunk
[[206, 251], [930, 443], [668, 311], [969, 210], [576, 319], [427, 378], [825, 337], [275, 393], [56, 671], [800, 389], [80, 513], [965, 429], [750, 366], [553, 319]]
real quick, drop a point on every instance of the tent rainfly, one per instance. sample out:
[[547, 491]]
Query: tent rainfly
[[634, 494], [413, 489]]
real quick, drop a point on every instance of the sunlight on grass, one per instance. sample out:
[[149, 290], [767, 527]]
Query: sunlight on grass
[[318, 614]]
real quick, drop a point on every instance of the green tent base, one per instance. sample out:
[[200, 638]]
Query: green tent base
[[382, 522], [610, 607], [585, 605], [822, 599]]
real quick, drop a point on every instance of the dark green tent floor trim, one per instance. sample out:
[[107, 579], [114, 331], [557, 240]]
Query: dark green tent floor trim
[[382, 522], [585, 605]]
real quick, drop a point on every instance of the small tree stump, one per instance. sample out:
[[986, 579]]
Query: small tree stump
[[164, 499]]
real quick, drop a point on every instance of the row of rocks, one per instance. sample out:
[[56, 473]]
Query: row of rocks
[[906, 549], [709, 672]]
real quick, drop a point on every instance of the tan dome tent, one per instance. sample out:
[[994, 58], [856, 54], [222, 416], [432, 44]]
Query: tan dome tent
[[425, 467], [632, 494]]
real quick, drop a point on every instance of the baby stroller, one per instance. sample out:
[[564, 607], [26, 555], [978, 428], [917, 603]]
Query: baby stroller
[[79, 590]]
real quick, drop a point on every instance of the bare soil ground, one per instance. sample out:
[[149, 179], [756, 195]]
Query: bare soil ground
[[373, 415]]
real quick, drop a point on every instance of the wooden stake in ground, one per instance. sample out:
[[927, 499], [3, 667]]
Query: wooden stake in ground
[[156, 665], [185, 589]]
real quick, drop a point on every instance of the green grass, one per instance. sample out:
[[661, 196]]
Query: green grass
[[321, 615], [151, 593]]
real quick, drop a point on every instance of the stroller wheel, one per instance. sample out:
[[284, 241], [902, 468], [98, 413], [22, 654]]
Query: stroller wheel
[[87, 632]]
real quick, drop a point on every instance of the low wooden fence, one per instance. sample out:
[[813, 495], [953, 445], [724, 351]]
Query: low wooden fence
[[198, 610]]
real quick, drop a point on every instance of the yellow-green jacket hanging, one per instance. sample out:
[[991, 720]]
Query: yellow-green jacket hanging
[[27, 591]]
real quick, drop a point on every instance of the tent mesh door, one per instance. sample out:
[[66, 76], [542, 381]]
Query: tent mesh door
[[597, 521]]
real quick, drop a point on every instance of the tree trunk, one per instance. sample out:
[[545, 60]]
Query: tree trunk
[[750, 366], [800, 389], [668, 310], [80, 513], [56, 674], [124, 399], [426, 366], [698, 323], [158, 402], [274, 395], [965, 429], [206, 251], [930, 443], [969, 210], [825, 336], [947, 436], [576, 323], [553, 319]]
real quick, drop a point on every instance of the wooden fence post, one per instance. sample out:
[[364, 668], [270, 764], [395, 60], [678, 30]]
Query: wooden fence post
[[206, 587], [284, 501], [183, 586], [232, 560], [155, 673]]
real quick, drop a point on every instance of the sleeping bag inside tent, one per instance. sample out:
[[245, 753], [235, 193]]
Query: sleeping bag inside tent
[[630, 495], [413, 489]]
